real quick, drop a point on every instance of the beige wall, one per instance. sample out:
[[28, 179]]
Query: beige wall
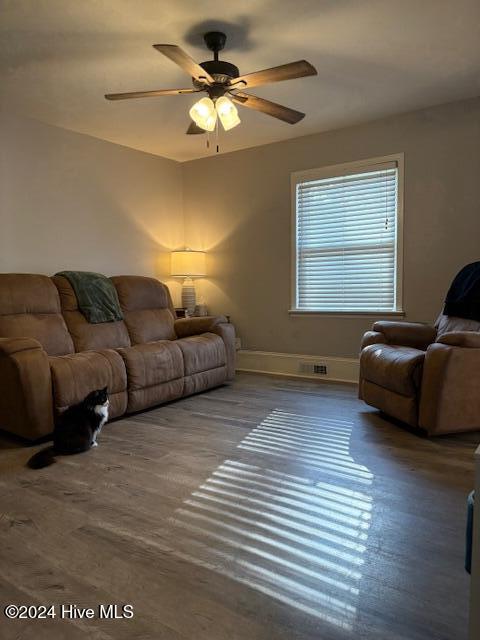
[[70, 201], [237, 206]]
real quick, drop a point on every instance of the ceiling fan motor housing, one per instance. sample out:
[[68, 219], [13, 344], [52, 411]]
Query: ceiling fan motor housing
[[220, 70]]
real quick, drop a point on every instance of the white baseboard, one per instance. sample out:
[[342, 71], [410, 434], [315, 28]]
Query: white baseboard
[[297, 365]]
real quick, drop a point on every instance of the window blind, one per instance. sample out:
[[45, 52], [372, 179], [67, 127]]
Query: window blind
[[346, 241]]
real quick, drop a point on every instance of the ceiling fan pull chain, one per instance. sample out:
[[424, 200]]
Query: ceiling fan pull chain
[[216, 133]]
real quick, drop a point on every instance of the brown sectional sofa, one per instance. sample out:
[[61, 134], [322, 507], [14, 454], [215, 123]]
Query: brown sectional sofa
[[51, 357]]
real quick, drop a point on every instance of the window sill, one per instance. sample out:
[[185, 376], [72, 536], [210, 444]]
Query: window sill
[[347, 314]]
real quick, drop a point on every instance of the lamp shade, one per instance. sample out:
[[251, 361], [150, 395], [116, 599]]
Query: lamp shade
[[188, 264]]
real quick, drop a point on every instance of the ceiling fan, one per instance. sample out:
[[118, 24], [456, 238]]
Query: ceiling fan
[[223, 84]]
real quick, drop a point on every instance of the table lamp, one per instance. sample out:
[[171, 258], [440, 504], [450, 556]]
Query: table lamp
[[188, 264]]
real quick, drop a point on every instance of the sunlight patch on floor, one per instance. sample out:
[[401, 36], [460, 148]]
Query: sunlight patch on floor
[[297, 538]]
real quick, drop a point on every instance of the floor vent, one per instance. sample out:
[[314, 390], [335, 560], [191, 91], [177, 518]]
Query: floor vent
[[310, 367], [320, 369]]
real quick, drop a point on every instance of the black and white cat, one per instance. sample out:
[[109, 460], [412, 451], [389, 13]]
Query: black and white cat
[[77, 429]]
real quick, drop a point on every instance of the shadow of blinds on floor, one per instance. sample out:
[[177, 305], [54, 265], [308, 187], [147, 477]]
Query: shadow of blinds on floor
[[297, 538]]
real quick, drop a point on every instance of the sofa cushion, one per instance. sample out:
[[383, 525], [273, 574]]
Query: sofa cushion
[[203, 352], [147, 308], [75, 376], [447, 324], [87, 336], [30, 308], [151, 364], [398, 369]]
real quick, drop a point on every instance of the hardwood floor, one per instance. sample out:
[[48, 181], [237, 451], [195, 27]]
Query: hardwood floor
[[270, 509]]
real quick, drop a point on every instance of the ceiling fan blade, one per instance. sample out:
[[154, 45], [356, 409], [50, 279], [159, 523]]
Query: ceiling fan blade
[[188, 64], [270, 108], [148, 94], [289, 71], [193, 129]]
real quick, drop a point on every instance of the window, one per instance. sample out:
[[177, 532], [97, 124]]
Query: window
[[347, 237]]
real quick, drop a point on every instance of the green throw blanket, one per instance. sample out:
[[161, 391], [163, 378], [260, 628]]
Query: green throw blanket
[[96, 295]]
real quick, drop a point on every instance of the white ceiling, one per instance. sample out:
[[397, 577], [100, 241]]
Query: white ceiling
[[374, 58]]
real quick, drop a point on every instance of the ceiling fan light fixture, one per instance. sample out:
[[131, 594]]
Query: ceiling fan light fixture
[[204, 115], [227, 112], [219, 78]]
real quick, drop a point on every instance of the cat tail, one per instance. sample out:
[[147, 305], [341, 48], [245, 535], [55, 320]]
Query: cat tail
[[43, 458]]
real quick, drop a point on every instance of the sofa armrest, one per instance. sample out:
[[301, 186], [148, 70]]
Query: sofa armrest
[[468, 339], [449, 398], [226, 331], [10, 346], [372, 337], [194, 326], [406, 334], [26, 405]]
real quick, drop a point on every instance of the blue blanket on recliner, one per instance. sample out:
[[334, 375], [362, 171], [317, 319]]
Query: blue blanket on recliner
[[463, 297]]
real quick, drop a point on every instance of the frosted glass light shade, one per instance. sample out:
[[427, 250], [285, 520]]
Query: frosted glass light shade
[[204, 115], [227, 112], [188, 264]]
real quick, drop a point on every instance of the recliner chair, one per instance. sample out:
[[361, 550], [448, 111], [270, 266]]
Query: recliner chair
[[423, 375]]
